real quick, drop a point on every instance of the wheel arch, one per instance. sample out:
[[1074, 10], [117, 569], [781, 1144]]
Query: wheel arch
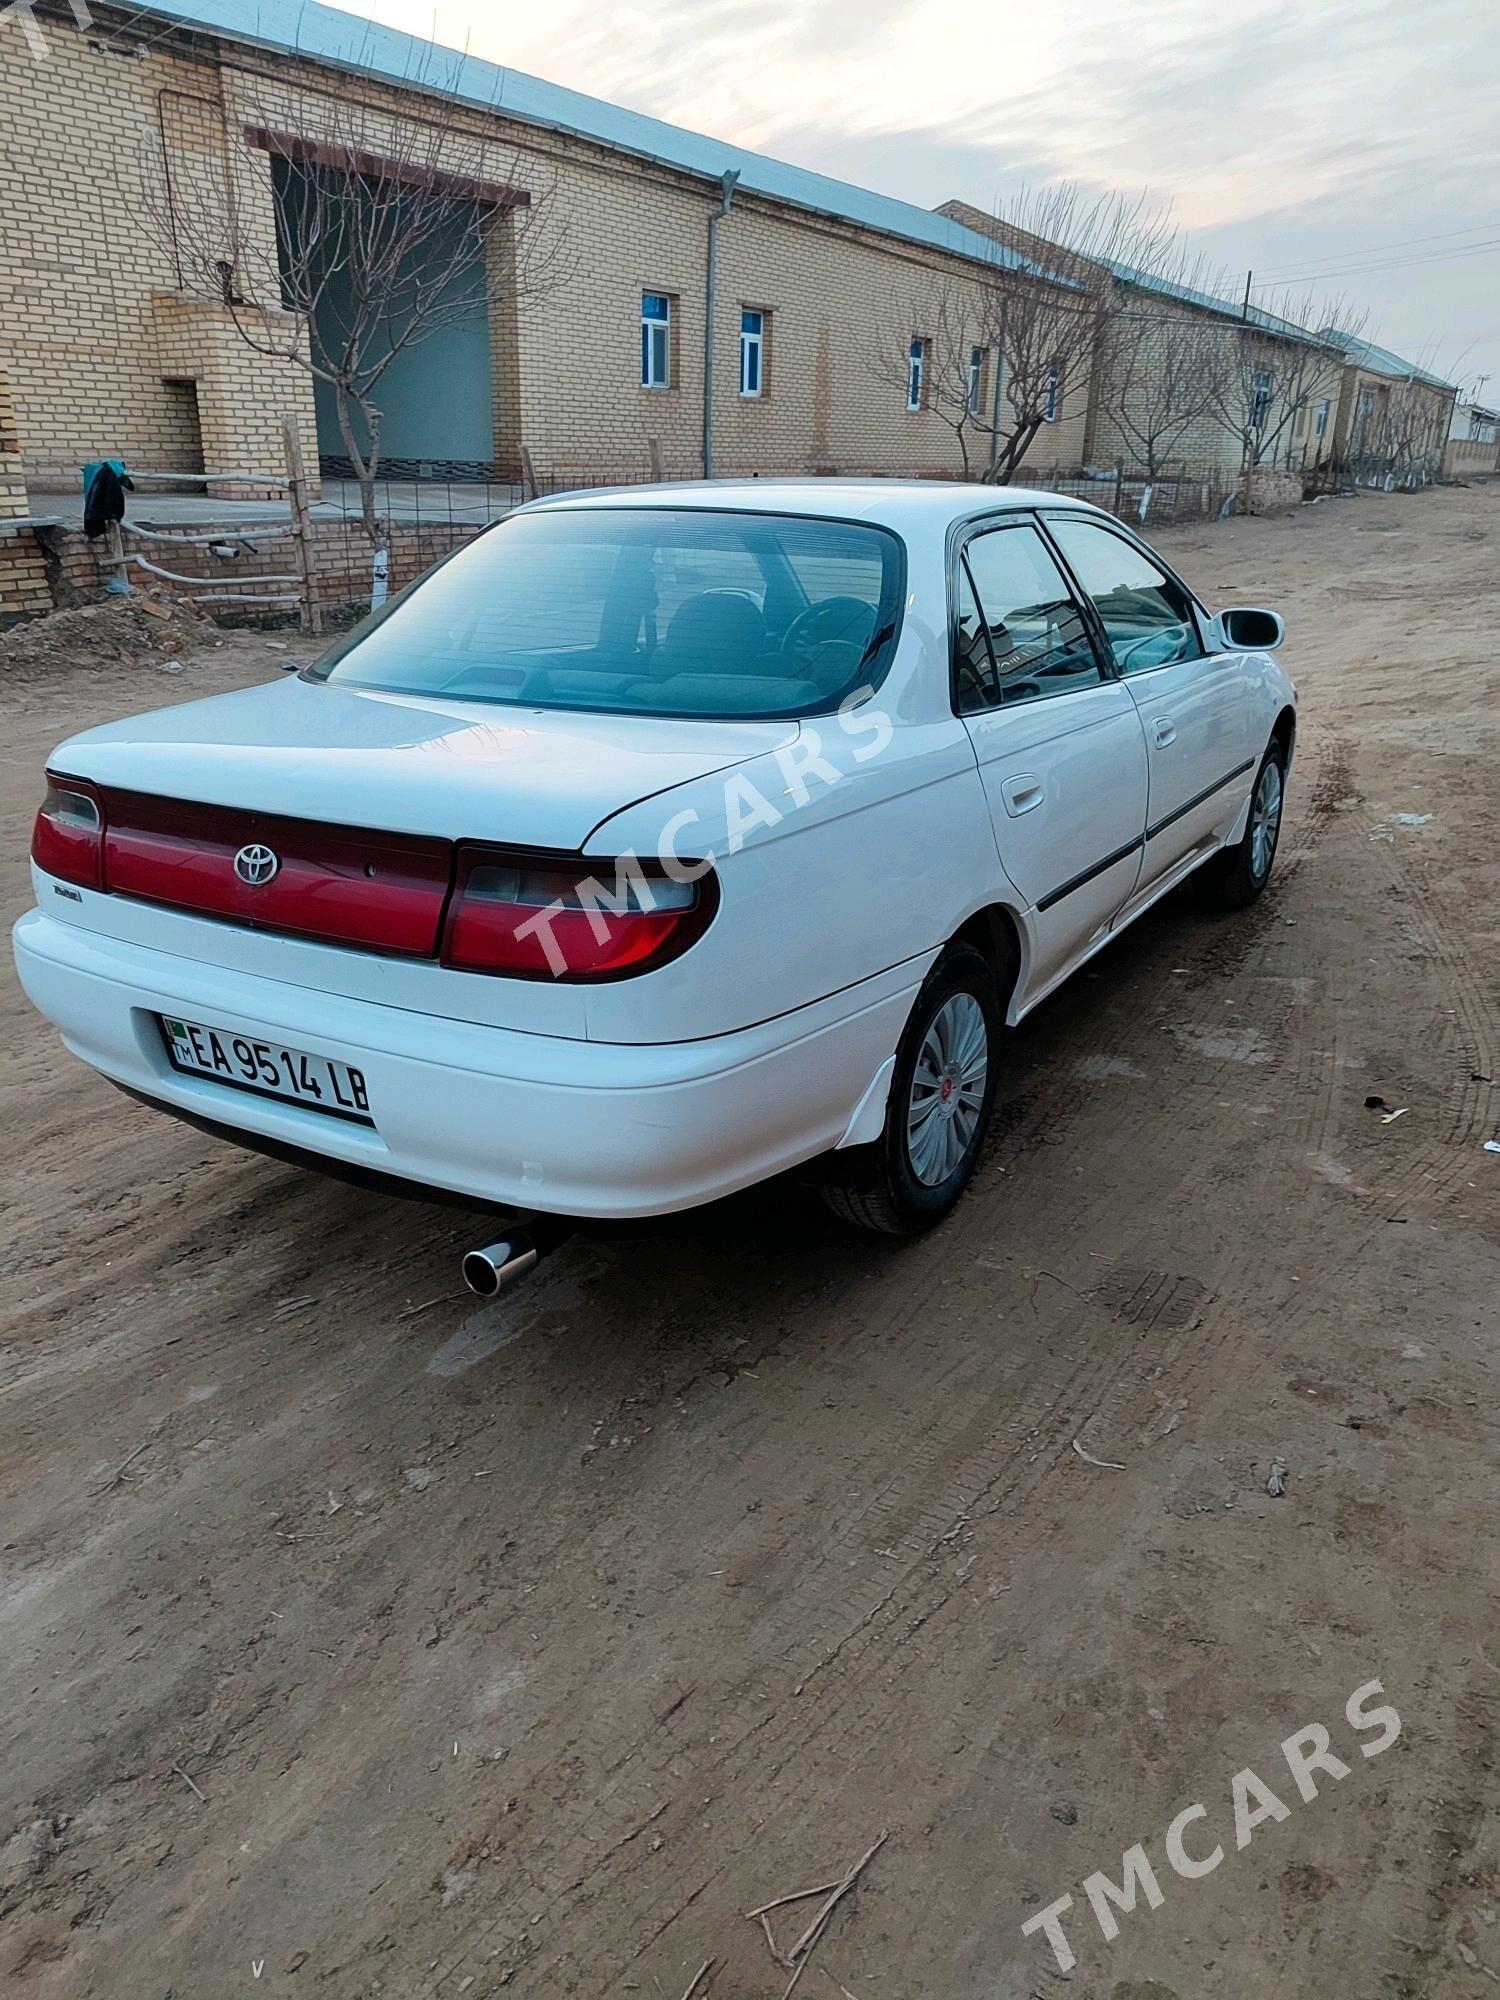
[[995, 932]]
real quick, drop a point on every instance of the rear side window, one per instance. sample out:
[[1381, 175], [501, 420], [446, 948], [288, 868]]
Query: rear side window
[[973, 667], [1033, 630], [643, 611], [1147, 615]]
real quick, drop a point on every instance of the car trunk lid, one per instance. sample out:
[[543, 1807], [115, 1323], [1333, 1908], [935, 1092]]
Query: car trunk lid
[[408, 764], [361, 798]]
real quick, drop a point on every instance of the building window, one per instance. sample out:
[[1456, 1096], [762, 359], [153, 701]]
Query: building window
[[976, 381], [656, 340], [916, 373], [1260, 398], [1320, 420], [1054, 394], [752, 353]]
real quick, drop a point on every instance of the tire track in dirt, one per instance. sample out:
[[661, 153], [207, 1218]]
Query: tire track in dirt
[[1003, 1479], [963, 1469]]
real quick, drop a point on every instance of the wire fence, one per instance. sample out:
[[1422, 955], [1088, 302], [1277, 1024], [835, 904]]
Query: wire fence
[[312, 558]]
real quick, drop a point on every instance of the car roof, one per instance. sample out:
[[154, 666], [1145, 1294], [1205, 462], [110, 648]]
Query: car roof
[[891, 503]]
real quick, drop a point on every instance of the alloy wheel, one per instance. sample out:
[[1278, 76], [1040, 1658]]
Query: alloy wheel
[[947, 1090], [1265, 820]]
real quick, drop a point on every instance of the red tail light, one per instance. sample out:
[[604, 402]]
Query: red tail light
[[68, 838], [536, 917]]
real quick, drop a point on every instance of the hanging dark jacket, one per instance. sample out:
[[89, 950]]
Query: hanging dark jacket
[[105, 500]]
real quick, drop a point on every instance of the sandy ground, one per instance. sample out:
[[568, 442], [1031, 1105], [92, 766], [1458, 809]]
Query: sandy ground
[[357, 1640]]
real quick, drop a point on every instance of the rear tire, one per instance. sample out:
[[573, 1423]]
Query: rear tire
[[1244, 869], [938, 1113]]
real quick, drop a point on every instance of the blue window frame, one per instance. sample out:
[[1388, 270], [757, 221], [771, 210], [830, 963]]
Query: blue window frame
[[656, 340], [752, 353]]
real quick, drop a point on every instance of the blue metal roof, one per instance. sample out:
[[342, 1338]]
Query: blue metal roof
[[325, 34], [1365, 354]]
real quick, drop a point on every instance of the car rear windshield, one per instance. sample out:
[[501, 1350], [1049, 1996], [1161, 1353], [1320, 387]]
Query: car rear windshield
[[642, 611]]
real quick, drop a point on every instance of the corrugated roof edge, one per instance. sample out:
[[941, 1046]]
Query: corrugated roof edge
[[1381, 359], [349, 41]]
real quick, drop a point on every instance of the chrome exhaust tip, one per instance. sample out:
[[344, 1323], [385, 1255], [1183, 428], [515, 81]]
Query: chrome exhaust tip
[[497, 1265]]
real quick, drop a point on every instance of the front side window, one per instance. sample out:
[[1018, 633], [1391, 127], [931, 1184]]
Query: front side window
[[916, 373], [1028, 638], [752, 352], [656, 340], [1147, 615], [642, 611]]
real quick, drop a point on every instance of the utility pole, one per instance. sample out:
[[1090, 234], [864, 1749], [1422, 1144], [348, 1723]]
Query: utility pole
[[727, 184], [1245, 309]]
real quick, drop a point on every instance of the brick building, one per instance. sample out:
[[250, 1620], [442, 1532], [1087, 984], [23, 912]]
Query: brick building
[[1275, 385], [820, 348], [1393, 417]]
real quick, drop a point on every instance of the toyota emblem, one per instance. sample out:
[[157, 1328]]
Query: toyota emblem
[[256, 865]]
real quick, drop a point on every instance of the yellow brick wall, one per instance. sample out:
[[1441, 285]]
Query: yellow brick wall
[[76, 273], [13, 503], [23, 574]]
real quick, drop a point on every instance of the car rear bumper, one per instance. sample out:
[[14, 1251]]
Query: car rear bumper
[[496, 1115]]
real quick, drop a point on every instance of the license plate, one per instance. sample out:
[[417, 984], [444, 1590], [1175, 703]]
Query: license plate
[[318, 1083]]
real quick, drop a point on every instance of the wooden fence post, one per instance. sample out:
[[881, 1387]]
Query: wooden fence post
[[529, 487], [658, 468], [296, 486]]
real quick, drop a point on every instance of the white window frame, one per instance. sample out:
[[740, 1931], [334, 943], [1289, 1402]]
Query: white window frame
[[656, 341], [916, 372], [976, 381], [1320, 418], [753, 349]]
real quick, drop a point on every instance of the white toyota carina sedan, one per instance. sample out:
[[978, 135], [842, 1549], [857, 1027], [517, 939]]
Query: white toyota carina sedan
[[659, 841]]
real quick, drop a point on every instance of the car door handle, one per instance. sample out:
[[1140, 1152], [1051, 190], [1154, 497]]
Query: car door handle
[[1022, 794], [1166, 731]]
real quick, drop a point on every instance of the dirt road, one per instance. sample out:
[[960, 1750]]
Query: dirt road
[[360, 1641]]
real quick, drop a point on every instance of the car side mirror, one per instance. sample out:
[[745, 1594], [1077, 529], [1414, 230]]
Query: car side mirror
[[1243, 629]]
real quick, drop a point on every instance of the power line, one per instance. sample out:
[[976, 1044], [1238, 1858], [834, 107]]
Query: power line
[[1405, 243], [1392, 264]]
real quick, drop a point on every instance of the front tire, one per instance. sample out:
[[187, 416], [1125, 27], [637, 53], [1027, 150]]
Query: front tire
[[938, 1113], [1245, 869]]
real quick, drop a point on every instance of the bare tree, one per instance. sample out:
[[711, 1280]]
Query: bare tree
[[1272, 367], [1159, 377], [1402, 440], [338, 235], [933, 347], [1050, 314], [1009, 344]]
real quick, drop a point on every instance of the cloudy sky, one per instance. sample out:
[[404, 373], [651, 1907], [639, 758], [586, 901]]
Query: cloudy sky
[[1350, 146]]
